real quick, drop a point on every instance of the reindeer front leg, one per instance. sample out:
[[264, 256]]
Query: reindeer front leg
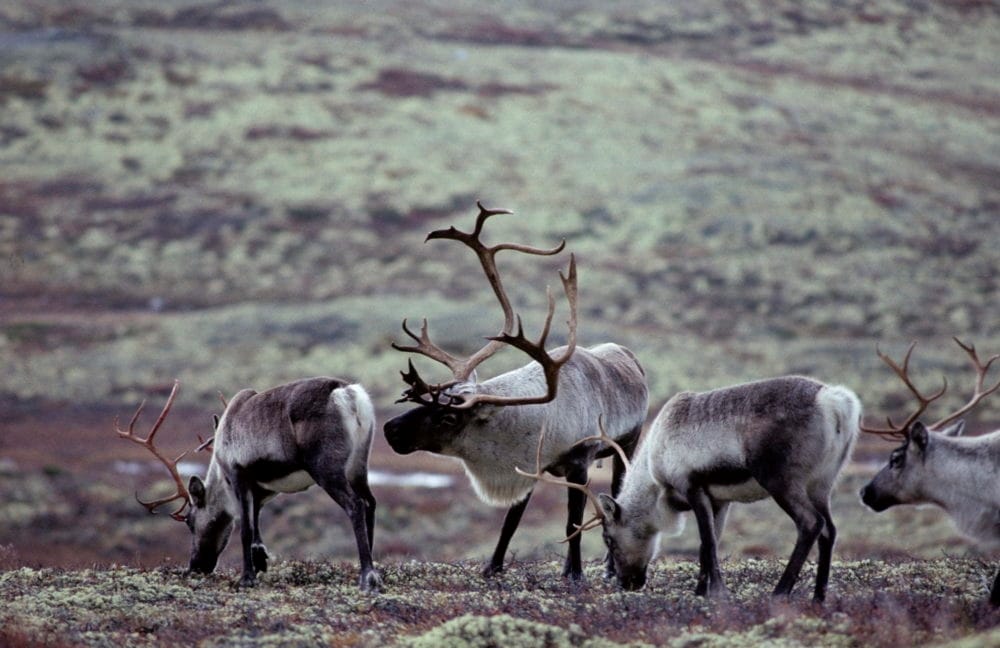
[[995, 592], [243, 498], [710, 580], [510, 522], [258, 552], [577, 502]]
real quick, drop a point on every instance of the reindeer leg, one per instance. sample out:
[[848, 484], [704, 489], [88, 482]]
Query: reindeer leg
[[710, 582], [810, 524], [995, 592], [577, 502], [360, 486], [827, 538], [244, 498], [258, 552], [510, 522], [338, 488]]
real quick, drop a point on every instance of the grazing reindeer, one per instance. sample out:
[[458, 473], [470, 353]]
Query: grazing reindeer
[[491, 426], [283, 440], [933, 465], [785, 438]]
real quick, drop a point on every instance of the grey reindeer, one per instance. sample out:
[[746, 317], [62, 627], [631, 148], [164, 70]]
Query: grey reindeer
[[934, 466], [492, 426], [283, 440], [785, 438]]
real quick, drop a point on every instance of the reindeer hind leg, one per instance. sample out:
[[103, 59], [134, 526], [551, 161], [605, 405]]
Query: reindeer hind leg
[[809, 523], [338, 488]]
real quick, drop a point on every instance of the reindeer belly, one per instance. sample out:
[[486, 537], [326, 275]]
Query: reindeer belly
[[291, 483], [746, 491]]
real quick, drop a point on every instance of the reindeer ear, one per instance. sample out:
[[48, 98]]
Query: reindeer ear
[[956, 430], [612, 509], [196, 488], [919, 436]]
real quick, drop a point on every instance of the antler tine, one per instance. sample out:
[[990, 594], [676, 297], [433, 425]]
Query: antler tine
[[425, 347], [487, 259], [603, 436], [903, 372], [148, 443], [540, 475], [980, 392], [536, 350]]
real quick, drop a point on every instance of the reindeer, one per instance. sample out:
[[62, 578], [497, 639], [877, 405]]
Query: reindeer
[[933, 465], [786, 438], [283, 440], [490, 426]]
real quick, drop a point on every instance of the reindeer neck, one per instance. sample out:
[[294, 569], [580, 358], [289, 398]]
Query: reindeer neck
[[219, 491]]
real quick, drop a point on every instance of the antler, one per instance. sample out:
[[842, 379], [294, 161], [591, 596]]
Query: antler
[[147, 443], [540, 475], [462, 368], [536, 350], [603, 436], [902, 431], [979, 393]]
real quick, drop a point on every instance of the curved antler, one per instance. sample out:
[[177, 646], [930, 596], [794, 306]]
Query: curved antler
[[980, 391], [536, 350], [540, 475], [421, 392], [148, 443], [903, 372]]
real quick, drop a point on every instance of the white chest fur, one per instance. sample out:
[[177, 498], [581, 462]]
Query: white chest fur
[[290, 483]]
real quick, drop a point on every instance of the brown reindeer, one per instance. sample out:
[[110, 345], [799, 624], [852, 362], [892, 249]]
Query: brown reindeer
[[492, 426], [283, 440]]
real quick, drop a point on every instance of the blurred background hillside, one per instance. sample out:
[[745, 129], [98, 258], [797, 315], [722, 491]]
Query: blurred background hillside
[[236, 194]]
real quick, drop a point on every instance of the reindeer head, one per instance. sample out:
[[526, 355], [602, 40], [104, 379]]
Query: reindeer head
[[902, 480], [206, 514], [447, 409], [631, 546]]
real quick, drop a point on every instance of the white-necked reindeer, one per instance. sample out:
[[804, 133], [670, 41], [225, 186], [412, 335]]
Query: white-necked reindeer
[[934, 466], [283, 440], [786, 438], [492, 426]]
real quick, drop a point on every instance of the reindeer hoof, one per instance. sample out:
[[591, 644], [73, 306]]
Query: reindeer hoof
[[248, 581], [371, 582], [491, 570], [259, 556]]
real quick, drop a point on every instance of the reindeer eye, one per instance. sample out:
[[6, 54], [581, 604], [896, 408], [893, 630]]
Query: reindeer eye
[[896, 460], [447, 419]]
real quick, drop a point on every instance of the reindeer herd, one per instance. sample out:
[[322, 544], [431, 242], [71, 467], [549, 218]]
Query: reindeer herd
[[784, 438]]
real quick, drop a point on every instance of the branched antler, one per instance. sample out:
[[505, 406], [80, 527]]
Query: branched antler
[[903, 372], [148, 443], [980, 391], [462, 368], [902, 431]]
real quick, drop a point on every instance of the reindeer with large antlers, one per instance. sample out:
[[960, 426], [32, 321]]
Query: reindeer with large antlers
[[933, 465], [283, 440], [492, 426], [786, 438]]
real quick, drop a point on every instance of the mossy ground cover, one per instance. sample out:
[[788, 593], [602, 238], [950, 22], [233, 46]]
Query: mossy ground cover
[[237, 195], [449, 604]]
